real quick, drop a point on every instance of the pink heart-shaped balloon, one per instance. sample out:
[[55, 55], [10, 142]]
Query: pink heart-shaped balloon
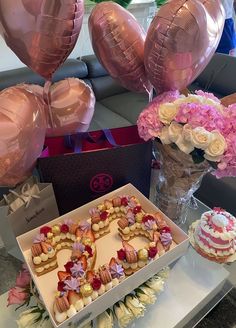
[[180, 42], [41, 33], [72, 107], [22, 133], [118, 42]]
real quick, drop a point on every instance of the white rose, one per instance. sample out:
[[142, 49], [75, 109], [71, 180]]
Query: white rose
[[105, 320], [216, 148], [175, 130], [167, 112], [184, 145], [28, 318], [146, 295], [45, 323], [156, 283], [123, 314], [164, 136], [187, 132], [164, 273], [135, 306], [190, 99], [201, 138]]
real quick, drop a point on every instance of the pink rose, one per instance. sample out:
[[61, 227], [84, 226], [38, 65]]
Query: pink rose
[[23, 279], [17, 295]]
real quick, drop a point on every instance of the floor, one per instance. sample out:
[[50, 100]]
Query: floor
[[222, 316]]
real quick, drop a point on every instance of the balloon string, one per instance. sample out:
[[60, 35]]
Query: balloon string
[[150, 94], [47, 100]]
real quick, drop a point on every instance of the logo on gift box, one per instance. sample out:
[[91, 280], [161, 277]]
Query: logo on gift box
[[101, 182]]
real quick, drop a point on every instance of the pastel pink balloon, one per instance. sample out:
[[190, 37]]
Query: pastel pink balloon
[[118, 42], [41, 33], [72, 107], [22, 133], [181, 41]]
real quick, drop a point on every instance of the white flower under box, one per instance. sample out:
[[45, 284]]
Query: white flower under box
[[107, 247]]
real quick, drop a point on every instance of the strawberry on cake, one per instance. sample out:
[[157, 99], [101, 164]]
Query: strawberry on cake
[[215, 235]]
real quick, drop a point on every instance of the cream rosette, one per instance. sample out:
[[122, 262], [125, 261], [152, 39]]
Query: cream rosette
[[135, 306], [123, 314], [146, 295], [216, 147]]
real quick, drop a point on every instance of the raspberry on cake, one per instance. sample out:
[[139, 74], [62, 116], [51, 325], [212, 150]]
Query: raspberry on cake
[[215, 235]]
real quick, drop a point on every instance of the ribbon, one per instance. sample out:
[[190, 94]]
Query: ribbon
[[26, 195]]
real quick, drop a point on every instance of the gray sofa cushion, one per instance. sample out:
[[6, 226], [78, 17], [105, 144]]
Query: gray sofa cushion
[[219, 76], [105, 118], [129, 105], [103, 85], [71, 68], [106, 86], [95, 69]]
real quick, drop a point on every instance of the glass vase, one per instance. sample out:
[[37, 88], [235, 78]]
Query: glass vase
[[177, 179]]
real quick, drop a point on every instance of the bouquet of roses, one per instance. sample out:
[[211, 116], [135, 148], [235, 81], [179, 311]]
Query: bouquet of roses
[[197, 124]]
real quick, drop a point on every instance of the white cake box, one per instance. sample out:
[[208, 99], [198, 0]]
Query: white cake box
[[106, 248]]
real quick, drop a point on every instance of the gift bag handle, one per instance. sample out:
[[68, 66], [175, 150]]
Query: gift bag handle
[[75, 141], [25, 191]]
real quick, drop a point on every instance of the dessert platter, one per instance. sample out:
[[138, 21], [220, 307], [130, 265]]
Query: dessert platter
[[81, 258], [214, 236]]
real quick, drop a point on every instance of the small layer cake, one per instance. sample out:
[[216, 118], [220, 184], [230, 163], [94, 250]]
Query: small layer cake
[[215, 234], [67, 235], [110, 210]]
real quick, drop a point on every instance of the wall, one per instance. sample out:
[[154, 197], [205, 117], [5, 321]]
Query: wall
[[143, 11]]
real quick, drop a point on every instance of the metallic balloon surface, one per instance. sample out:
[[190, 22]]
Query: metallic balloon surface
[[41, 33], [118, 42], [180, 42], [22, 133], [72, 107]]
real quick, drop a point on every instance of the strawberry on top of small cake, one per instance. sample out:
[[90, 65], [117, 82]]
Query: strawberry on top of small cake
[[215, 234]]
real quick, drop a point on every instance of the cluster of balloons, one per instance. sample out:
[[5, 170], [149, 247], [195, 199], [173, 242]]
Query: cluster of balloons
[[180, 42], [42, 33]]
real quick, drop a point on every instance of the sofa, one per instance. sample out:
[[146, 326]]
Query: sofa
[[116, 106]]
